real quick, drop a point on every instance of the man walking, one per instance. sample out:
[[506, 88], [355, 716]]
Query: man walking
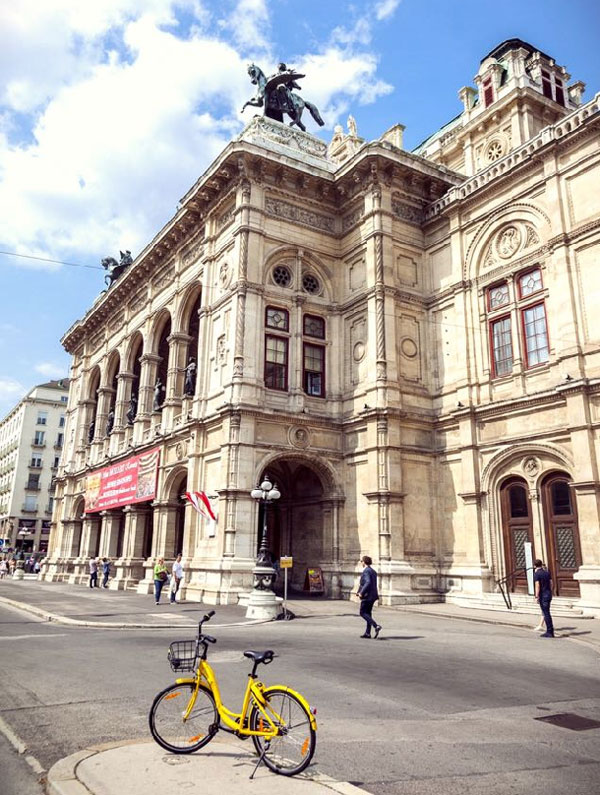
[[176, 577], [368, 594], [543, 594], [93, 573]]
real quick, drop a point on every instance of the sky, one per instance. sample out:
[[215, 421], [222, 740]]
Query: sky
[[110, 110]]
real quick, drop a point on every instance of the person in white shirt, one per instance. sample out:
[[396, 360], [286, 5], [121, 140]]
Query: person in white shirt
[[176, 577]]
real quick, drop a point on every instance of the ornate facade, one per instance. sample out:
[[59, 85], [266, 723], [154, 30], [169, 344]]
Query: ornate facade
[[406, 342]]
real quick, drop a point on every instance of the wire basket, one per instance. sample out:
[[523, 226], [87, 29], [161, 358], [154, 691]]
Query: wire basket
[[182, 655]]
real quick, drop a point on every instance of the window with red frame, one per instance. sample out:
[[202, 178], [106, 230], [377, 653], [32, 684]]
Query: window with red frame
[[535, 333], [488, 92], [276, 362], [314, 326], [314, 370], [501, 346]]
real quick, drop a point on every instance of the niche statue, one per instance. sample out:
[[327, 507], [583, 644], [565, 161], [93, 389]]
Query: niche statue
[[158, 395], [190, 378]]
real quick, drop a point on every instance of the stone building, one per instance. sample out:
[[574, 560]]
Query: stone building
[[31, 443], [406, 343]]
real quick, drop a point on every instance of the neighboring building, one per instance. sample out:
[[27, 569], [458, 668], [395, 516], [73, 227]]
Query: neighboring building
[[408, 343], [31, 442]]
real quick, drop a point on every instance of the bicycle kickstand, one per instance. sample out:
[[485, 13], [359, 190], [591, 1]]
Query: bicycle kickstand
[[261, 758]]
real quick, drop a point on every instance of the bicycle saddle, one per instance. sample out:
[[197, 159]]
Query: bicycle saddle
[[260, 656]]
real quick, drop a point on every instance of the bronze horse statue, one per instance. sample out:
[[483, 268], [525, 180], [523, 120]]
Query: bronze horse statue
[[114, 268], [276, 96]]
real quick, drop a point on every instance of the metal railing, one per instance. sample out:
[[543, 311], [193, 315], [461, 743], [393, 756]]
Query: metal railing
[[509, 578]]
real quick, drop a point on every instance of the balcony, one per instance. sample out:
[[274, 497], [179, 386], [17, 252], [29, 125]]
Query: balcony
[[32, 487], [37, 443], [29, 509], [31, 465]]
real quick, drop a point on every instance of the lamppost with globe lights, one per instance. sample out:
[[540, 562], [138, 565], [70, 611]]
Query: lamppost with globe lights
[[263, 603]]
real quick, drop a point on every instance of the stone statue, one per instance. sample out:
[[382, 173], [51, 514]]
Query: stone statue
[[91, 431], [352, 129], [110, 421], [190, 377], [158, 395], [114, 268], [132, 410], [276, 96]]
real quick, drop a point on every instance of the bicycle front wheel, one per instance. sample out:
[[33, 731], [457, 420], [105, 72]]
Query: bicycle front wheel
[[169, 726], [291, 751]]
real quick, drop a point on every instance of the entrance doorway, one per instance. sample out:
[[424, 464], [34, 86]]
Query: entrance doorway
[[298, 524], [516, 530], [562, 534]]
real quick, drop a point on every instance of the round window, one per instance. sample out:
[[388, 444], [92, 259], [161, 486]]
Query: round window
[[494, 151], [282, 276], [310, 284]]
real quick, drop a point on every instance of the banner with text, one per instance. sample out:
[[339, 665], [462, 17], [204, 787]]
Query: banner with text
[[125, 483]]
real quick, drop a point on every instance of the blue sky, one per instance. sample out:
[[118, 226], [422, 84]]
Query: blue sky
[[109, 111]]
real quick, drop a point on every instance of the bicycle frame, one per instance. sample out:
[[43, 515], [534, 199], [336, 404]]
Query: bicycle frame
[[236, 721]]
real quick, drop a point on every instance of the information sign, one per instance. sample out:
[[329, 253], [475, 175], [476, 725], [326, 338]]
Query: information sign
[[285, 562], [313, 582]]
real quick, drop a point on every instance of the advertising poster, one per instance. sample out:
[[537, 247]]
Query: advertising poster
[[124, 483]]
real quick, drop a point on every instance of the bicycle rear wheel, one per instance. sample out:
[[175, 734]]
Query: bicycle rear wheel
[[167, 723], [291, 751]]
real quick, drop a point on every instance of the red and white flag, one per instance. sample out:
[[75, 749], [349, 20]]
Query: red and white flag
[[201, 504]]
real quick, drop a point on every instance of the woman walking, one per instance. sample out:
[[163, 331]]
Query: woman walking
[[161, 576]]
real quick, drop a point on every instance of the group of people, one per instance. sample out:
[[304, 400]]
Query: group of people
[[95, 565], [368, 595], [172, 579], [8, 564]]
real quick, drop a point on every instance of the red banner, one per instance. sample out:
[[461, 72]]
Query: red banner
[[124, 483]]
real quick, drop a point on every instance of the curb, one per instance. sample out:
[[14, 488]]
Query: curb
[[77, 622], [21, 748], [62, 777]]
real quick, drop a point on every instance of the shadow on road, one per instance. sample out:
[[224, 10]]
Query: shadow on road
[[399, 637]]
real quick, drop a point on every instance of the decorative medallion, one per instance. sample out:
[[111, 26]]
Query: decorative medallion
[[494, 151], [531, 466], [299, 437], [508, 242], [179, 450], [358, 352], [409, 348], [221, 350]]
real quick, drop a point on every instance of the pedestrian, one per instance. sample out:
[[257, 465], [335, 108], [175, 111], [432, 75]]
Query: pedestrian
[[11, 566], [3, 569], [367, 592], [105, 572], [176, 577], [543, 595], [37, 566], [161, 576], [93, 573]]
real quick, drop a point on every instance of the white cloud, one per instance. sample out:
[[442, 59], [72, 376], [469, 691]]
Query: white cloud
[[384, 9], [124, 109], [50, 370], [10, 390]]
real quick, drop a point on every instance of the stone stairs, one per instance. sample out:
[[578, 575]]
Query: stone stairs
[[562, 607]]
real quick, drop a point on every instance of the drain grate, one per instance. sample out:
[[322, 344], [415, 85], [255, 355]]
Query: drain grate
[[568, 720]]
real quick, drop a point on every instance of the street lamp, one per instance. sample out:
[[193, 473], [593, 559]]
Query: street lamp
[[264, 494], [262, 602]]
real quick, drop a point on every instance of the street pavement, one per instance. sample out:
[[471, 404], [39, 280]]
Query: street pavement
[[446, 701]]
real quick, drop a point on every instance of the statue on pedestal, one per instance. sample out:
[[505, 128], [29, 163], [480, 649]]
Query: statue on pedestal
[[275, 94], [91, 431], [158, 395], [110, 421], [132, 410], [190, 378]]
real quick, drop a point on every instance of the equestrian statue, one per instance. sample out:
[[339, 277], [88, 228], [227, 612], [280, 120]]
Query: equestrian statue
[[114, 268], [276, 96]]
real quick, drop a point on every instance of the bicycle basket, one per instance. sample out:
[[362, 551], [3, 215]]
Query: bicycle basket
[[182, 655]]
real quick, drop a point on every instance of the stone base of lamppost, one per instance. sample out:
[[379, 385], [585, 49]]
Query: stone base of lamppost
[[262, 602], [19, 572]]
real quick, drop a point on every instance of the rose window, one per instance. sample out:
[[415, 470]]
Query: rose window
[[310, 284], [494, 151], [282, 276]]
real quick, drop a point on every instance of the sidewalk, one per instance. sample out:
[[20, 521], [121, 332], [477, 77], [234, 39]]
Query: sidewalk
[[139, 768]]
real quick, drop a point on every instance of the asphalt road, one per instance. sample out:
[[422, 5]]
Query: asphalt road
[[433, 706]]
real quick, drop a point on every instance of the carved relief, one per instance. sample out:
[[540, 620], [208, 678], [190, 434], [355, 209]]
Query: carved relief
[[531, 466], [221, 350], [353, 217], [224, 276], [299, 437], [407, 212], [508, 241], [226, 218], [298, 215]]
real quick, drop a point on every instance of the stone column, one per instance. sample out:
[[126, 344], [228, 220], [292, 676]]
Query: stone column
[[109, 537], [129, 569], [178, 354], [381, 357], [149, 363], [241, 288]]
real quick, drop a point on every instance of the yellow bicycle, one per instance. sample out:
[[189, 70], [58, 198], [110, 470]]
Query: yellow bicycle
[[185, 716]]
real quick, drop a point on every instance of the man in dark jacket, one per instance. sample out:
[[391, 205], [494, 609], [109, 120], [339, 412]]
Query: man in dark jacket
[[543, 594], [367, 592]]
